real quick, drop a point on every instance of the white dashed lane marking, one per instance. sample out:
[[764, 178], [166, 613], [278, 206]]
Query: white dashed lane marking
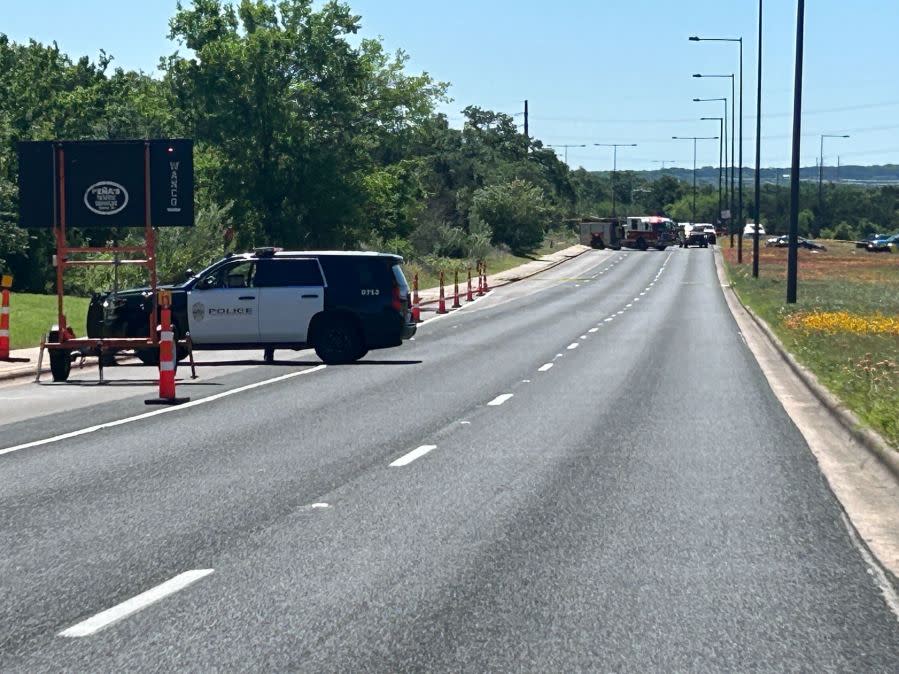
[[545, 367], [573, 345], [416, 453], [500, 399], [131, 606]]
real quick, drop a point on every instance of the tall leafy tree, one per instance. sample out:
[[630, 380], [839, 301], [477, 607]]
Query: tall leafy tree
[[293, 113]]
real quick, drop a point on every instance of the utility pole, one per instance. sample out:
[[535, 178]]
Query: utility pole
[[793, 252], [527, 138]]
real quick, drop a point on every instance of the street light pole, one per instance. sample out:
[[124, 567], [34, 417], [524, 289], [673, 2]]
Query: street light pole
[[615, 147], [695, 38], [821, 172], [724, 144], [793, 252], [731, 205], [694, 139], [720, 154], [758, 152]]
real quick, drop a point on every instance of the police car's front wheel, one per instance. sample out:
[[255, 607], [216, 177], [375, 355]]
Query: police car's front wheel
[[338, 341]]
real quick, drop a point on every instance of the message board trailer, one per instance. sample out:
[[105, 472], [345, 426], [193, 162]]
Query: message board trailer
[[104, 184]]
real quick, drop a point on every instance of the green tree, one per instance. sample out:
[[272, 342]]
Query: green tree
[[296, 112], [516, 212]]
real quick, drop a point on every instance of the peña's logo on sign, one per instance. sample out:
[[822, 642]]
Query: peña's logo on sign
[[106, 198]]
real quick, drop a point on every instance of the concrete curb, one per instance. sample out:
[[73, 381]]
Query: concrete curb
[[509, 281], [868, 438]]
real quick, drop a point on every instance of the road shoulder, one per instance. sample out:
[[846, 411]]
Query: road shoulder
[[863, 476]]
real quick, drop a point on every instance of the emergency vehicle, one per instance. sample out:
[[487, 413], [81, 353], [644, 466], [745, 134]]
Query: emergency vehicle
[[342, 304], [654, 231], [602, 233]]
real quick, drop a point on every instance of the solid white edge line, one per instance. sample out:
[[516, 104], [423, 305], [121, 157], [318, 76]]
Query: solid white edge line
[[164, 410], [131, 606], [544, 368], [500, 399], [890, 595], [416, 453]]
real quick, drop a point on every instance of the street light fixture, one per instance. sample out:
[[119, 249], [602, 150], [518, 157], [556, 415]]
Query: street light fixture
[[721, 123], [664, 161], [694, 139], [614, 167], [821, 170], [724, 141], [696, 38], [566, 149]]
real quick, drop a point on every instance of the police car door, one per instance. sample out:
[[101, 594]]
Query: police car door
[[291, 292], [223, 307]]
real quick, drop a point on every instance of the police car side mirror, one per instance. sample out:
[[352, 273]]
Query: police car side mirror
[[206, 283]]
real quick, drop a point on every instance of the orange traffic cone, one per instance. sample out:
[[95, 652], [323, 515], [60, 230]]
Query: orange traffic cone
[[167, 358], [5, 285], [416, 308], [441, 303]]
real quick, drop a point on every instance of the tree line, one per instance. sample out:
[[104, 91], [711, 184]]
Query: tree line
[[306, 136]]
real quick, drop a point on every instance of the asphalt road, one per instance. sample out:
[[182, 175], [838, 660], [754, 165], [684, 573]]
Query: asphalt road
[[590, 473]]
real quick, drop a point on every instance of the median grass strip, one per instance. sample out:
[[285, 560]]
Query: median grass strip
[[31, 316], [845, 326]]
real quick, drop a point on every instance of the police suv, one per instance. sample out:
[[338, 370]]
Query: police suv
[[342, 304]]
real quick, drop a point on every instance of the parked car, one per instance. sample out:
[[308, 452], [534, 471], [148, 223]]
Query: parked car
[[863, 243], [783, 241], [749, 230], [884, 244]]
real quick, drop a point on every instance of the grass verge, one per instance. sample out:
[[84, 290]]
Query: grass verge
[[844, 327], [31, 316], [497, 261]]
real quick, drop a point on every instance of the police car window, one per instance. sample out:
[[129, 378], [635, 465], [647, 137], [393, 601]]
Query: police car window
[[238, 275], [281, 273]]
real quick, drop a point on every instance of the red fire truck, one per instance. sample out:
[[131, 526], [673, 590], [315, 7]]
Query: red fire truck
[[642, 232]]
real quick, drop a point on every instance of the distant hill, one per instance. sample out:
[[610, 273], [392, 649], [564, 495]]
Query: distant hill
[[887, 174]]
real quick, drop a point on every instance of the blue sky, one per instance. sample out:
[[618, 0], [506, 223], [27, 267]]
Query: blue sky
[[594, 71]]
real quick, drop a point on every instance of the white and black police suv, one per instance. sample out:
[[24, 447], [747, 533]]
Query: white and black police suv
[[342, 304]]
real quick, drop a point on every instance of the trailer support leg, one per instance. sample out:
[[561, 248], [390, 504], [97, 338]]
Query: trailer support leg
[[40, 360]]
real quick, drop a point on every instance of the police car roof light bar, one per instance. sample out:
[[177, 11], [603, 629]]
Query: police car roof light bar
[[267, 251]]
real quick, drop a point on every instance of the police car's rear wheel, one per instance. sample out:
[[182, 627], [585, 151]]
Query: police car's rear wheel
[[337, 341]]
